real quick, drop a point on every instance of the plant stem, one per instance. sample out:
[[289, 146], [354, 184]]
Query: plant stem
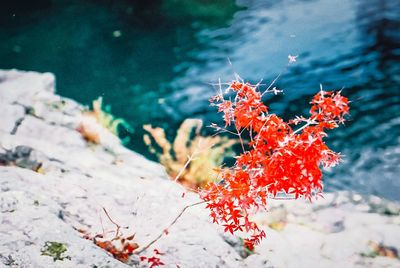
[[169, 226], [303, 127], [113, 222], [190, 158]]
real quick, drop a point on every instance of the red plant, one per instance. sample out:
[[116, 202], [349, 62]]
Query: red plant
[[153, 261], [277, 159], [121, 247]]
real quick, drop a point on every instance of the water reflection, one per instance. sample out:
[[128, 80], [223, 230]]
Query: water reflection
[[374, 166], [353, 45]]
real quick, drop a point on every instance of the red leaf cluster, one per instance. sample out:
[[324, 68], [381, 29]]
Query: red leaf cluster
[[277, 159], [120, 247], [154, 261]]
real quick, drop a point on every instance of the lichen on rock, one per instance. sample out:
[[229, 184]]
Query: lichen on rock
[[55, 250]]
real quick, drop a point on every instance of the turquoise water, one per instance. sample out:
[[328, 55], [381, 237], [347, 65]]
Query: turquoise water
[[153, 62]]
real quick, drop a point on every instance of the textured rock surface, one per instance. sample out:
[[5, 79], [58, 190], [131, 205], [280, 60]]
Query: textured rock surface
[[75, 180], [332, 232]]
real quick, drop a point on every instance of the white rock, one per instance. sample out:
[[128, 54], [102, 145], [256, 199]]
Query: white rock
[[80, 180], [11, 114]]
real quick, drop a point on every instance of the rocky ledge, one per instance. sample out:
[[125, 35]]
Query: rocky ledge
[[54, 186]]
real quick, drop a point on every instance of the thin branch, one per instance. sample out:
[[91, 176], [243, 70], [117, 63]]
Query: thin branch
[[273, 82], [102, 226], [190, 158], [222, 130], [113, 222], [259, 134], [241, 140], [303, 127], [282, 198], [169, 226]]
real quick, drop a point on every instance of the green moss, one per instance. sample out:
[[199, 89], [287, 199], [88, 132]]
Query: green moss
[[55, 250]]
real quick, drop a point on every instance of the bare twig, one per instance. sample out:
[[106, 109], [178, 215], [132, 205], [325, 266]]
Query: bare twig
[[190, 159], [113, 222], [273, 82], [102, 226], [169, 226], [240, 139]]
